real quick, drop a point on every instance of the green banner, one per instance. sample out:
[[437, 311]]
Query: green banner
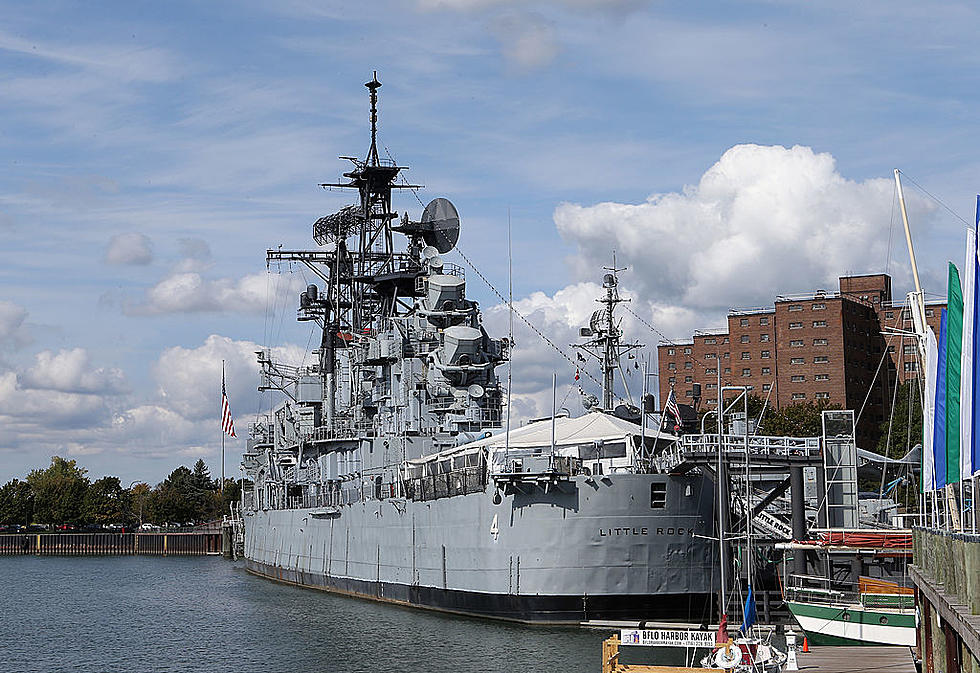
[[954, 350]]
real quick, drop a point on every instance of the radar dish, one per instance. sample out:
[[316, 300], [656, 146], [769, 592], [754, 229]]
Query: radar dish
[[436, 262], [429, 252], [476, 391], [441, 225]]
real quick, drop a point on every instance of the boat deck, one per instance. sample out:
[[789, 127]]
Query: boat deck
[[866, 659]]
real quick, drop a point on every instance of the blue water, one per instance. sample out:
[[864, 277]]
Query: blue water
[[143, 614]]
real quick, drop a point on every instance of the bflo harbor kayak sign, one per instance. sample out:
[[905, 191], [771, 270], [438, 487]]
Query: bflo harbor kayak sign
[[667, 638]]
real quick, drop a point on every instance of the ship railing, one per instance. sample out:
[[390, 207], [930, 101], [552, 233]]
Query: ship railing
[[536, 464], [823, 591], [457, 482], [759, 445]]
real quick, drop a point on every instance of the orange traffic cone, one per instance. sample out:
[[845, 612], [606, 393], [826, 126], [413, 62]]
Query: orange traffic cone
[[806, 645]]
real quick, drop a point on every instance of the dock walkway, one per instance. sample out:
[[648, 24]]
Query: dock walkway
[[866, 659]]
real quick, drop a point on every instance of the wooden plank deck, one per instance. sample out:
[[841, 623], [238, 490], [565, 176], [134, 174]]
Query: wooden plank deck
[[831, 659]]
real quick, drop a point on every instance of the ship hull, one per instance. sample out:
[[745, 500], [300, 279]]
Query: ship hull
[[587, 549]]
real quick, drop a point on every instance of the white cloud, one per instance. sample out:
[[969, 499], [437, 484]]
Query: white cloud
[[69, 371], [129, 248], [189, 379], [762, 220], [37, 412], [12, 326], [527, 40], [190, 292]]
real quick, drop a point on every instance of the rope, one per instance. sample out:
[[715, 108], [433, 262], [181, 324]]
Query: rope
[[937, 200], [670, 342], [526, 321]]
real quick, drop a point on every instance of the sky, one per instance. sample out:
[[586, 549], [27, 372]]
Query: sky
[[725, 152]]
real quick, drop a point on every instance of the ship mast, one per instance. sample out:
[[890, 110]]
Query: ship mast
[[605, 336]]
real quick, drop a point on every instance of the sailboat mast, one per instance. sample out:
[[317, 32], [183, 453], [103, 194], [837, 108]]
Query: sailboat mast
[[919, 299]]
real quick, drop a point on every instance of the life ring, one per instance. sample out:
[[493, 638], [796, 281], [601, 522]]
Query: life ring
[[728, 657]]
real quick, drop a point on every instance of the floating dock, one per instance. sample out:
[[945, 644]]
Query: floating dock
[[110, 544]]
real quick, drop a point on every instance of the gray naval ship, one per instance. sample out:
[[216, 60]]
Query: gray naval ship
[[388, 471]]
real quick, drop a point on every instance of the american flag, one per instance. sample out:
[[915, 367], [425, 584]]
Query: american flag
[[227, 422], [670, 406]]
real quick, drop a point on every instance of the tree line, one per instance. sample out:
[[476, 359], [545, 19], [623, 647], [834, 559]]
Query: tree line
[[63, 494]]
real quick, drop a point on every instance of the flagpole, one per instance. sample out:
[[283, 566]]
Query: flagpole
[[221, 429]]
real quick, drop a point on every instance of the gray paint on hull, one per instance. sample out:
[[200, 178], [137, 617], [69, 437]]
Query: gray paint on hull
[[589, 538]]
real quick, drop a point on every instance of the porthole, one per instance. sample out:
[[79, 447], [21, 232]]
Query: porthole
[[883, 620]]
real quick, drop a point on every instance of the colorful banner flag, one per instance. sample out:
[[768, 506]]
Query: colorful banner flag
[[967, 372], [974, 444], [928, 474], [939, 414], [954, 354]]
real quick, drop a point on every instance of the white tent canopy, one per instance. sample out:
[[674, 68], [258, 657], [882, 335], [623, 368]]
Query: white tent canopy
[[587, 429]]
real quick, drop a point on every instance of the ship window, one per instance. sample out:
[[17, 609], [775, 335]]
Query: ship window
[[615, 450], [658, 496], [883, 620]]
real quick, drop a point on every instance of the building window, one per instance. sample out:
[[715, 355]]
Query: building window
[[821, 359], [766, 371], [822, 396], [764, 320], [724, 340], [727, 355], [891, 349], [819, 342], [796, 343], [765, 355], [687, 351], [672, 366], [744, 322], [710, 356], [819, 323], [908, 349], [763, 337], [910, 366], [821, 377], [712, 386], [906, 315], [745, 338], [799, 396], [746, 355], [746, 372], [930, 313], [711, 341], [795, 307], [799, 378], [672, 380], [766, 387], [796, 325], [728, 370], [670, 351], [796, 361], [688, 365], [711, 370], [818, 307], [689, 393], [889, 315], [688, 379]]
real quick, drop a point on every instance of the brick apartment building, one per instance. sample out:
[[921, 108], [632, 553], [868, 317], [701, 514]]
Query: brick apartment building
[[818, 347]]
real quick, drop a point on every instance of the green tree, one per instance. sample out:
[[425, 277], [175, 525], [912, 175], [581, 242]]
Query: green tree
[[173, 501], [137, 498], [16, 503], [105, 502], [59, 492], [796, 420], [906, 422]]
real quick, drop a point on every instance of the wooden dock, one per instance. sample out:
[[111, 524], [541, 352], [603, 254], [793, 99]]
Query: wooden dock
[[110, 544], [823, 659], [866, 659]]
